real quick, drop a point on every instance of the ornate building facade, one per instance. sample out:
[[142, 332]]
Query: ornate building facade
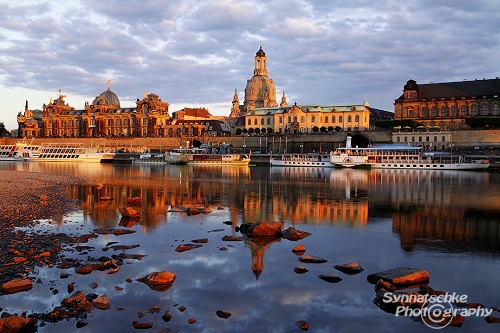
[[445, 106], [104, 117]]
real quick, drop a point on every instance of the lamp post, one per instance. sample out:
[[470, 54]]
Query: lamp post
[[301, 148], [244, 144]]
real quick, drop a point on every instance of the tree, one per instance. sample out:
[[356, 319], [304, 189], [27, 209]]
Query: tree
[[257, 130], [269, 130], [251, 130], [263, 130], [245, 131], [330, 129], [322, 129], [238, 131], [315, 129]]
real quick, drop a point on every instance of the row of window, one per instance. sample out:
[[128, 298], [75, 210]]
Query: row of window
[[420, 139], [302, 120], [464, 111]]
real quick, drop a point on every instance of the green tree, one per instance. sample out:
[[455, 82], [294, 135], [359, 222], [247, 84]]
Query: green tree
[[322, 129], [238, 131], [315, 129]]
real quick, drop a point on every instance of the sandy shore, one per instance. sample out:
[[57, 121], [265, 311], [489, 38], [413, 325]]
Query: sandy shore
[[26, 196]]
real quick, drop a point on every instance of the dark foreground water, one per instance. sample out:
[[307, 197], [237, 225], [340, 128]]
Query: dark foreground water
[[445, 222]]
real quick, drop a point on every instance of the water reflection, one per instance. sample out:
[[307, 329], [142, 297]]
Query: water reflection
[[380, 218]]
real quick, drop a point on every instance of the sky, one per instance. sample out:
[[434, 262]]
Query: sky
[[195, 53]]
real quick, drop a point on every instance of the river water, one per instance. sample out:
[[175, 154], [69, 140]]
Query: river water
[[442, 221]]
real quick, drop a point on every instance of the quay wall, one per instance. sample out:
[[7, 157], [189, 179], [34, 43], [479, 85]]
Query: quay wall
[[463, 139]]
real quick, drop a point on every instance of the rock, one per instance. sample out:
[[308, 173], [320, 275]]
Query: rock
[[350, 268], [159, 281], [390, 301], [15, 324], [293, 234], [77, 300], [299, 249], [135, 201], [81, 323], [129, 212], [201, 240], [101, 302], [232, 238], [187, 247], [271, 228], [303, 325], [492, 320], [300, 270], [191, 320], [154, 309], [17, 285], [145, 325], [167, 316], [312, 259], [401, 276], [332, 278], [223, 314], [182, 308], [384, 285]]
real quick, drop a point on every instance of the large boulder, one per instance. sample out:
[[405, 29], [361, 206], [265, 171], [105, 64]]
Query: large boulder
[[15, 324], [17, 285], [401, 276], [159, 281], [270, 228], [293, 234]]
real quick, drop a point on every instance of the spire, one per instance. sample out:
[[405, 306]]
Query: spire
[[283, 100], [260, 62], [109, 84]]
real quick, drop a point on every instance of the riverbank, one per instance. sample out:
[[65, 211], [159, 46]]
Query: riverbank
[[27, 197]]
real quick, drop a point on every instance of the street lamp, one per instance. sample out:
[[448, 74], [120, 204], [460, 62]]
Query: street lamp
[[301, 148]]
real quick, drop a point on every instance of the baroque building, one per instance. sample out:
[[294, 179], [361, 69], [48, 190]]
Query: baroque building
[[445, 106], [105, 117]]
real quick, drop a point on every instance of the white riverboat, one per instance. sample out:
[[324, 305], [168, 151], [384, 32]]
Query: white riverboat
[[406, 157], [348, 158], [207, 155], [65, 152], [302, 160], [10, 153]]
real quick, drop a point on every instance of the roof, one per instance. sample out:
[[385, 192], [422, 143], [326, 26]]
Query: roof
[[490, 87]]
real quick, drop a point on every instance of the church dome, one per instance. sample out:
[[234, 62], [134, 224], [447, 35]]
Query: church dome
[[260, 52], [260, 92], [108, 98]]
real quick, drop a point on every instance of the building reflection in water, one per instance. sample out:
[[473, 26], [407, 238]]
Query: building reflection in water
[[429, 209], [455, 210]]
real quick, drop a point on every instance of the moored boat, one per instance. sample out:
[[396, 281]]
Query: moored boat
[[207, 155], [10, 153], [68, 152], [302, 160], [148, 158]]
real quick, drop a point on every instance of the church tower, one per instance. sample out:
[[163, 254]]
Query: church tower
[[260, 91], [235, 110]]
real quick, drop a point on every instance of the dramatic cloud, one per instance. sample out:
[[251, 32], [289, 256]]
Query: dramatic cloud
[[195, 53]]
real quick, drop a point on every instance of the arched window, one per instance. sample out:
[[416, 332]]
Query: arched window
[[444, 111], [454, 111], [434, 111], [425, 112], [465, 110], [313, 119], [356, 119], [255, 121], [484, 110], [249, 121], [474, 109], [302, 119], [496, 110], [262, 121], [349, 119], [326, 120], [281, 120], [269, 121]]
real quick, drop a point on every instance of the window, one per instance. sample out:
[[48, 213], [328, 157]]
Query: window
[[109, 122], [281, 120], [144, 121], [340, 119], [434, 111], [333, 119], [262, 121], [443, 138], [117, 122], [249, 121], [474, 110], [289, 119], [435, 138], [398, 139], [410, 113], [269, 121], [255, 121], [302, 119], [349, 119], [356, 119], [484, 110], [454, 111], [326, 120], [495, 109], [425, 112], [313, 119], [444, 111], [294, 119], [465, 110], [406, 139]]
